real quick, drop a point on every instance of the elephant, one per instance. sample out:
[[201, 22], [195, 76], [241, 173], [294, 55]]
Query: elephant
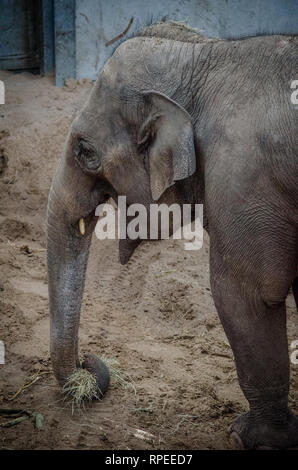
[[178, 117]]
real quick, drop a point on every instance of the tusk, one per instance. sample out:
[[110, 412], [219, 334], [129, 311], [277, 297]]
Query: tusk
[[82, 226]]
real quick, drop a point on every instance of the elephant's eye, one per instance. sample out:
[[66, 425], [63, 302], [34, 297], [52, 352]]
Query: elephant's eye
[[87, 156]]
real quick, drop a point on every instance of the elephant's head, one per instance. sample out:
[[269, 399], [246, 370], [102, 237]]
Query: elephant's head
[[128, 140]]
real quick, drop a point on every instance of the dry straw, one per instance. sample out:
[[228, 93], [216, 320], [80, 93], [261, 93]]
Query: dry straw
[[82, 387]]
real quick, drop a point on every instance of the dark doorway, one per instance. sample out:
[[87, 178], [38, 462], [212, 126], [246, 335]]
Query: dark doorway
[[20, 35]]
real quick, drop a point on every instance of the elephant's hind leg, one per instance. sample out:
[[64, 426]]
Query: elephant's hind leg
[[254, 319]]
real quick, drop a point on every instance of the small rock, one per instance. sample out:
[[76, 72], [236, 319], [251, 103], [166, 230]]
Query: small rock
[[25, 249], [4, 133], [39, 421]]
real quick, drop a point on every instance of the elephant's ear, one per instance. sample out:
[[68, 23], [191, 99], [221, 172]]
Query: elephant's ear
[[168, 134]]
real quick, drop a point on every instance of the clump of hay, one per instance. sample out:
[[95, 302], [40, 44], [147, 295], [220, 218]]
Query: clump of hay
[[81, 386], [118, 377]]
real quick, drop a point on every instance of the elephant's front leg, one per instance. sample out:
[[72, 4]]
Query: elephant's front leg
[[257, 334]]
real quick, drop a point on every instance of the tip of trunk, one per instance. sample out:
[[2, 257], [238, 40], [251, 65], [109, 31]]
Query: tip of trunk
[[100, 370]]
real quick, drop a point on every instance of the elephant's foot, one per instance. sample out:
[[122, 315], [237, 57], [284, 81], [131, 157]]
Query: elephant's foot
[[98, 368], [247, 433]]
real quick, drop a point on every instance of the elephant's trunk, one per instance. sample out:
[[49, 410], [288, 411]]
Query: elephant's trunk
[[67, 251], [67, 261]]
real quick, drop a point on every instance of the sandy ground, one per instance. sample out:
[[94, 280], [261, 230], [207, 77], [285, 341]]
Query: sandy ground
[[155, 315]]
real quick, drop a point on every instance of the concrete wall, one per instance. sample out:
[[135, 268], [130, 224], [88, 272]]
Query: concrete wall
[[65, 40], [97, 21]]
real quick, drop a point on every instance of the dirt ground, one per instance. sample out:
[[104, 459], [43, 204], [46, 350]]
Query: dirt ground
[[155, 316]]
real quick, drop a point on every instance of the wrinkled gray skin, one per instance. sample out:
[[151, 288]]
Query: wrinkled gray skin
[[165, 103]]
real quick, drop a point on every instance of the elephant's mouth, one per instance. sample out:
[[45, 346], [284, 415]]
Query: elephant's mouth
[[85, 225]]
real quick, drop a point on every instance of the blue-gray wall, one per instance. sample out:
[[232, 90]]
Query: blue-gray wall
[[97, 21], [72, 34], [65, 40]]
